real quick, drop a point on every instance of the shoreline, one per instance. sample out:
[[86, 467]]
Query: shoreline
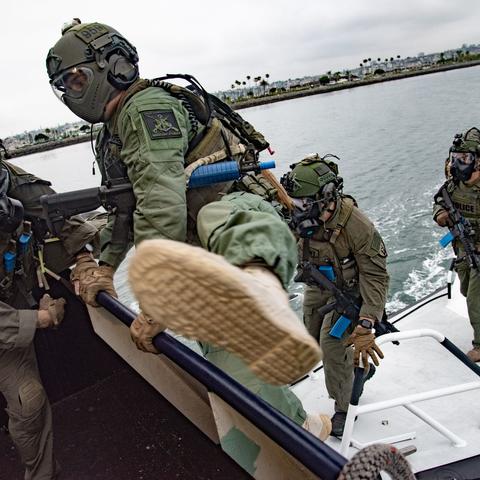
[[348, 85], [43, 147]]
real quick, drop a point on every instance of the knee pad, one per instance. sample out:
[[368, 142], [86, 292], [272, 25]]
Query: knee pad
[[32, 397]]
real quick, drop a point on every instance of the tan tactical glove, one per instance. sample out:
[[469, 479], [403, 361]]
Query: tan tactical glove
[[89, 278], [443, 219], [50, 311], [363, 341], [142, 331]]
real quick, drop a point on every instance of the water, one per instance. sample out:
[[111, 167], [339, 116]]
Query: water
[[392, 139]]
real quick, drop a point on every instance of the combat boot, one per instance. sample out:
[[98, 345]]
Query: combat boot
[[368, 376], [318, 424], [338, 424], [339, 418], [199, 295], [474, 354]]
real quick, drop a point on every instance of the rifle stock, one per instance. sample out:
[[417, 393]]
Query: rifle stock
[[58, 207]]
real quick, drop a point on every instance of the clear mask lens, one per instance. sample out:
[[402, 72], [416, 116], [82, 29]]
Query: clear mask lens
[[462, 158], [72, 83], [303, 204]]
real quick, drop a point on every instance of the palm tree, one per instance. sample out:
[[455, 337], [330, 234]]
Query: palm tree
[[263, 83]]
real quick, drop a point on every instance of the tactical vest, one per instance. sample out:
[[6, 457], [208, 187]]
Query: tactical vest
[[467, 201], [323, 249], [211, 141], [19, 283]]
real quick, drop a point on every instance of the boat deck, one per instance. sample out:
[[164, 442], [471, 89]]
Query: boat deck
[[415, 366], [108, 422], [122, 429]]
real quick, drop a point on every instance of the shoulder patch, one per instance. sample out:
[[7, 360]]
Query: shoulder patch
[[161, 124], [377, 245]]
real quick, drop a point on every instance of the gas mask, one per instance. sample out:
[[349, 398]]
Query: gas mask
[[305, 218], [462, 165]]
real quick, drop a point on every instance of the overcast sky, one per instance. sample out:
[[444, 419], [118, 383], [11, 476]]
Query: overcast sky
[[220, 41]]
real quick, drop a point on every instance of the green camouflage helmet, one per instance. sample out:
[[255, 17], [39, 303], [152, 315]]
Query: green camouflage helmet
[[89, 65], [310, 175], [468, 142]]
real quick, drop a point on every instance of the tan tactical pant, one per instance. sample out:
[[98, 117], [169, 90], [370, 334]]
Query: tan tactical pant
[[470, 288], [30, 417], [337, 359]]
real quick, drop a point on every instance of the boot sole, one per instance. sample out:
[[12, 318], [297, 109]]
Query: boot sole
[[327, 427], [201, 296]]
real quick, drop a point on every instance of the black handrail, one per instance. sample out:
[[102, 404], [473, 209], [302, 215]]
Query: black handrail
[[318, 457]]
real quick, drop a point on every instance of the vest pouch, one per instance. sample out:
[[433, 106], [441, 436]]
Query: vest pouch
[[257, 184], [349, 272]]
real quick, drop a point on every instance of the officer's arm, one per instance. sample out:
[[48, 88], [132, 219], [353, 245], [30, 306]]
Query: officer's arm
[[154, 154], [17, 327], [437, 210], [371, 257]]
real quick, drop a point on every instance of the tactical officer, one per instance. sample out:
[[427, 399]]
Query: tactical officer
[[341, 242], [462, 169], [216, 260], [25, 261]]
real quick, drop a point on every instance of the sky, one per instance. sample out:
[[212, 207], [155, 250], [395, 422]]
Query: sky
[[220, 41]]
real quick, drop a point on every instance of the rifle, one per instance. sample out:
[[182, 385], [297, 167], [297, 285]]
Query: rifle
[[118, 198], [461, 228], [344, 304]]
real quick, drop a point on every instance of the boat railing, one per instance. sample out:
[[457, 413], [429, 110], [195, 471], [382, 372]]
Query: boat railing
[[407, 401], [318, 457]]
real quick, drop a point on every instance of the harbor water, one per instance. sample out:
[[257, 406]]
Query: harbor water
[[392, 140]]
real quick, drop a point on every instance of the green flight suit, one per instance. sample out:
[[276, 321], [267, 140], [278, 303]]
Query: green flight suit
[[467, 200], [28, 408], [155, 130], [350, 244]]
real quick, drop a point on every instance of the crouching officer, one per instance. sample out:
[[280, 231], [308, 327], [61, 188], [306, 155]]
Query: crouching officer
[[27, 254], [155, 134], [343, 244], [462, 170]]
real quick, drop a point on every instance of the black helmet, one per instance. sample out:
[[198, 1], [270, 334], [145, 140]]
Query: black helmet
[[89, 65]]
